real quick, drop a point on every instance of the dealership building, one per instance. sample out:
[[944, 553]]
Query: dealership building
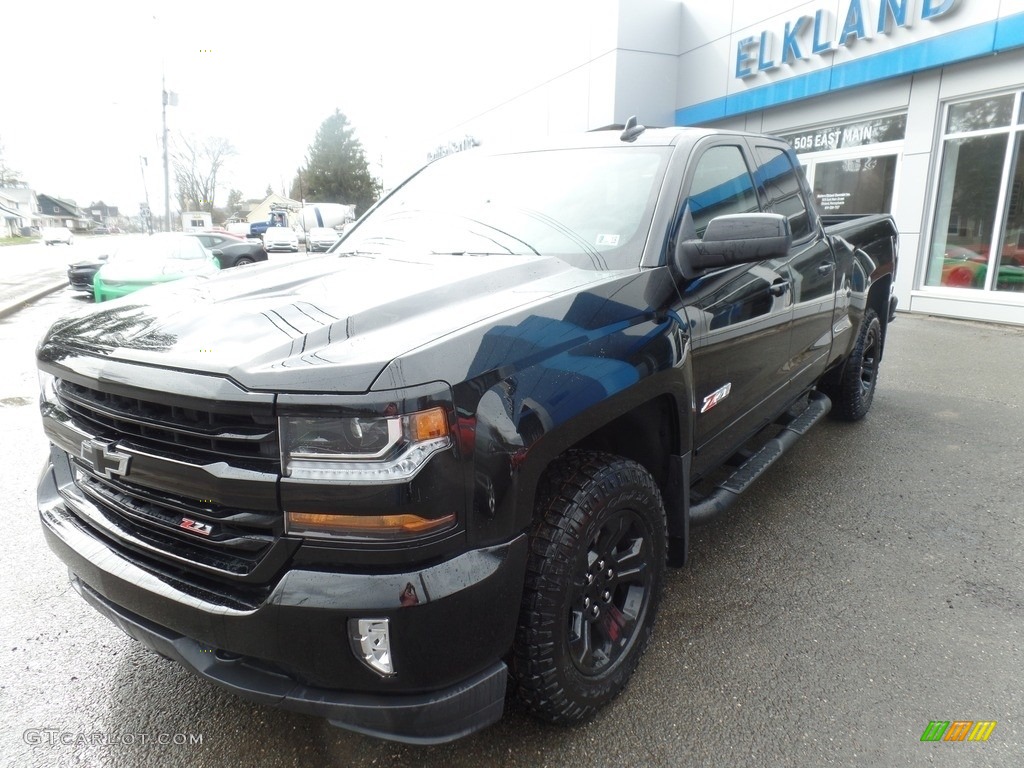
[[909, 107]]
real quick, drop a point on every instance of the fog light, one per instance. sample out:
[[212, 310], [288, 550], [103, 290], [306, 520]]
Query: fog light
[[371, 643]]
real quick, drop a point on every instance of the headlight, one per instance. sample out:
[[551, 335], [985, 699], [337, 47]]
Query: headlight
[[357, 450], [47, 387]]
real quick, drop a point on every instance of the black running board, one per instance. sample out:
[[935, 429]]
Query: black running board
[[725, 494]]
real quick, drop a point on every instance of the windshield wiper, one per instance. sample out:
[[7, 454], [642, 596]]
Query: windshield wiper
[[478, 253]]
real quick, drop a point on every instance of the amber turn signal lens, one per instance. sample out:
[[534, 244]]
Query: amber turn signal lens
[[365, 525], [427, 425]]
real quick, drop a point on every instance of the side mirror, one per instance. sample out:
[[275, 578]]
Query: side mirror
[[217, 252], [736, 239]]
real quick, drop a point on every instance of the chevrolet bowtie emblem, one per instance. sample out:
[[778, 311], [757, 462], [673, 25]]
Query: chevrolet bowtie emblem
[[104, 460]]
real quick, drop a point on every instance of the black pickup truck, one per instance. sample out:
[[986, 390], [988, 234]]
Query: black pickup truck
[[463, 446]]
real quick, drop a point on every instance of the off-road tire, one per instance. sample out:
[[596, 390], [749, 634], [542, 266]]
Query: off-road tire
[[853, 391], [592, 507]]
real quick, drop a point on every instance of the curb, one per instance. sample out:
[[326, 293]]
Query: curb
[[14, 306]]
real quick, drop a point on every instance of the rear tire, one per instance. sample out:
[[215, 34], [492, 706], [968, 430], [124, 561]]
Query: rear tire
[[853, 392], [593, 579], [242, 260]]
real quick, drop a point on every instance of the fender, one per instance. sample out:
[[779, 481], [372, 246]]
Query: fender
[[517, 419]]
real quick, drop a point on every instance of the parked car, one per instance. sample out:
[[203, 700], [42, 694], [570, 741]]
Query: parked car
[[150, 261], [81, 273], [53, 235], [280, 239], [321, 238], [100, 231], [231, 250]]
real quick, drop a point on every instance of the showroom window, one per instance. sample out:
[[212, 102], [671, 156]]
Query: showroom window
[[852, 166], [977, 239]]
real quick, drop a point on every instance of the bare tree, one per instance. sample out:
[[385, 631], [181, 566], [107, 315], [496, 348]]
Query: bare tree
[[7, 174], [196, 165]]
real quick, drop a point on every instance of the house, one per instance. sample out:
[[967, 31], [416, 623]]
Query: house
[[10, 217], [106, 215], [22, 208], [55, 212]]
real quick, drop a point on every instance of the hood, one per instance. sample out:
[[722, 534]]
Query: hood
[[280, 233], [320, 324]]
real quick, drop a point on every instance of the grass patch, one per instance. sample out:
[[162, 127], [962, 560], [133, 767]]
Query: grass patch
[[18, 240]]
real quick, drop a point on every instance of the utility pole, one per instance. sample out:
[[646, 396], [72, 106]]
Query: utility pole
[[147, 215], [172, 100]]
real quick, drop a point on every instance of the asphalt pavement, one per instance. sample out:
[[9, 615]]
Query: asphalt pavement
[[870, 583], [29, 272]]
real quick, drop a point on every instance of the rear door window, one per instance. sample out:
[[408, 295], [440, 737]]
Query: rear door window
[[777, 176]]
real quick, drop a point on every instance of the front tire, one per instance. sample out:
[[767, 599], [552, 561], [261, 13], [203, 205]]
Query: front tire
[[853, 393], [593, 579]]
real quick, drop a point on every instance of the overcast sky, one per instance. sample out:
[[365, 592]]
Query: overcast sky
[[82, 90]]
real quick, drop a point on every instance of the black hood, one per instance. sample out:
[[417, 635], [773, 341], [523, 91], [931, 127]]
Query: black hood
[[320, 324]]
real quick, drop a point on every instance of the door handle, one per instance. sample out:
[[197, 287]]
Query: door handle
[[778, 288], [825, 267]]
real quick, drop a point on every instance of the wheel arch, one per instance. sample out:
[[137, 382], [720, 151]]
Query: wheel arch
[[878, 300], [654, 432]]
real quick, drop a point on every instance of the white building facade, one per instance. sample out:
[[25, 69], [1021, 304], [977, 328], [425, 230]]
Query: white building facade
[[909, 107]]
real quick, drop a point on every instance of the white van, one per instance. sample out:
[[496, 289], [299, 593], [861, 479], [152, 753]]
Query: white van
[[53, 235]]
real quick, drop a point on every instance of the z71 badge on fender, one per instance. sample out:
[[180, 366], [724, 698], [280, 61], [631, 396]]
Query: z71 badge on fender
[[716, 397]]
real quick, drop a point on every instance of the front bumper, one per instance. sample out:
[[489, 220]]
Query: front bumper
[[429, 718], [451, 624], [106, 291]]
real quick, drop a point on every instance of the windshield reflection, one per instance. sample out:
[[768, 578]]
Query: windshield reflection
[[592, 207]]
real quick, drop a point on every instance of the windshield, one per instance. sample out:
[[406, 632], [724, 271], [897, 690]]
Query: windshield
[[156, 247], [592, 207]]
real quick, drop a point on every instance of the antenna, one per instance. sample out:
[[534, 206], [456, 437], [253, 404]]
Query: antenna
[[632, 130]]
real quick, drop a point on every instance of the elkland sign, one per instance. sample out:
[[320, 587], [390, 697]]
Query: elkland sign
[[809, 36]]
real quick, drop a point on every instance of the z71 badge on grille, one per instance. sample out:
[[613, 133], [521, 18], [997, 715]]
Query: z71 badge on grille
[[195, 526]]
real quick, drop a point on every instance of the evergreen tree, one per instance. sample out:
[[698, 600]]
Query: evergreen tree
[[336, 170]]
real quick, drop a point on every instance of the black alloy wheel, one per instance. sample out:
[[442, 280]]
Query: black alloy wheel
[[612, 593], [854, 390], [594, 575]]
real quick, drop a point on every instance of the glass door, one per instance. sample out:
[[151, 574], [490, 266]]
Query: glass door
[[853, 168], [977, 239]]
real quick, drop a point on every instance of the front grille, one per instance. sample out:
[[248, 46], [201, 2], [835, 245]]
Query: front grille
[[149, 509], [235, 540], [193, 435]]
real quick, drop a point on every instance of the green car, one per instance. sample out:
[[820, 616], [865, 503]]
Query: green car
[[152, 260]]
